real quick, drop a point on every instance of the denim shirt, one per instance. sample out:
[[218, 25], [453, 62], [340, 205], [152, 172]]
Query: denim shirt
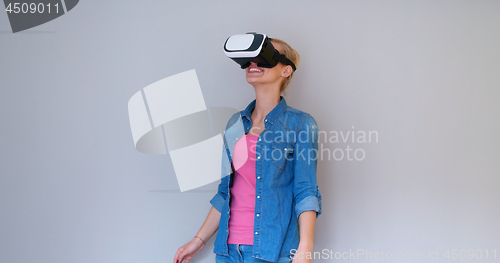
[[285, 170]]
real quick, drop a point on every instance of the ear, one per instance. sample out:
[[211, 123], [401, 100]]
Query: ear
[[287, 72]]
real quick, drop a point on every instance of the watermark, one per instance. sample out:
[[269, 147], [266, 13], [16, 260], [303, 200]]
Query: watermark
[[356, 254], [354, 140], [308, 146], [170, 116], [25, 14]]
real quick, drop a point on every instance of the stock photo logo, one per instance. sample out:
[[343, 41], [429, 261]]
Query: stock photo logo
[[171, 115], [28, 14]]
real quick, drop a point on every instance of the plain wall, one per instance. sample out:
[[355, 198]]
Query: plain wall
[[424, 75]]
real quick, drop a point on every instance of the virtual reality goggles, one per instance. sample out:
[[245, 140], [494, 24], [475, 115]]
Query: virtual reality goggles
[[253, 47]]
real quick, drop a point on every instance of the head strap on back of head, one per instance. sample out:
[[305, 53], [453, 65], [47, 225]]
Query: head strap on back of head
[[282, 58]]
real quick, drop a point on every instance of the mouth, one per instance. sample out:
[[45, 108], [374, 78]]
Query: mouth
[[255, 70]]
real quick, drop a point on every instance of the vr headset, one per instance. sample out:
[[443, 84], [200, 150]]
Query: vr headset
[[253, 47]]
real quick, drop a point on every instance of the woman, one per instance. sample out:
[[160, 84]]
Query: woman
[[272, 197]]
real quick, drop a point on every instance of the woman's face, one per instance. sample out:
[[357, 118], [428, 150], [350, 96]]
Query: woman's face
[[258, 75]]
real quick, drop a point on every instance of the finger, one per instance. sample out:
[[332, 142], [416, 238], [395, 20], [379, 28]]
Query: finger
[[177, 257], [180, 258]]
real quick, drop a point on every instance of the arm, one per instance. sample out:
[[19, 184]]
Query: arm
[[306, 192], [193, 247], [211, 224], [307, 222], [305, 188]]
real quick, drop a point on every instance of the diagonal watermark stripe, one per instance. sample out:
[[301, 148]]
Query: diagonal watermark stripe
[[173, 110]]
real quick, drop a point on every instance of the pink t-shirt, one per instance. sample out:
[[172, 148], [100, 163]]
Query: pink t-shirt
[[243, 191]]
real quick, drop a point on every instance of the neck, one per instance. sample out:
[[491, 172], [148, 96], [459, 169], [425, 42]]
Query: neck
[[266, 98]]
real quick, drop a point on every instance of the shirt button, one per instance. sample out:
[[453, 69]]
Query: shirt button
[[258, 177], [256, 233], [258, 196], [257, 214], [259, 139], [285, 149], [265, 120], [258, 157]]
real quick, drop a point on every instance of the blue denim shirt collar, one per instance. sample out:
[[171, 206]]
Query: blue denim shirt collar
[[272, 115]]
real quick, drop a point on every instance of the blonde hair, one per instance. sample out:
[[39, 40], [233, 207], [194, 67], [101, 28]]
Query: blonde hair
[[292, 55]]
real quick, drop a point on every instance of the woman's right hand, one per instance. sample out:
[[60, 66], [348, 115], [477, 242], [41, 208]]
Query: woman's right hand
[[189, 250]]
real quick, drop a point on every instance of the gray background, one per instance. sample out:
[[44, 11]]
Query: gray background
[[423, 74]]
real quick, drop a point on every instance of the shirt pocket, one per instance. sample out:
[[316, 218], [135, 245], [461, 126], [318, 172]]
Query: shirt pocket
[[281, 153]]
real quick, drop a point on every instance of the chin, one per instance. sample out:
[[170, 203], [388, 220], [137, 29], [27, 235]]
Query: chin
[[251, 82], [251, 79]]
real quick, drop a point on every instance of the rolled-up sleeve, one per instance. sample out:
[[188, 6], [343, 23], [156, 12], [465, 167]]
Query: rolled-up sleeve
[[305, 189], [220, 197]]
